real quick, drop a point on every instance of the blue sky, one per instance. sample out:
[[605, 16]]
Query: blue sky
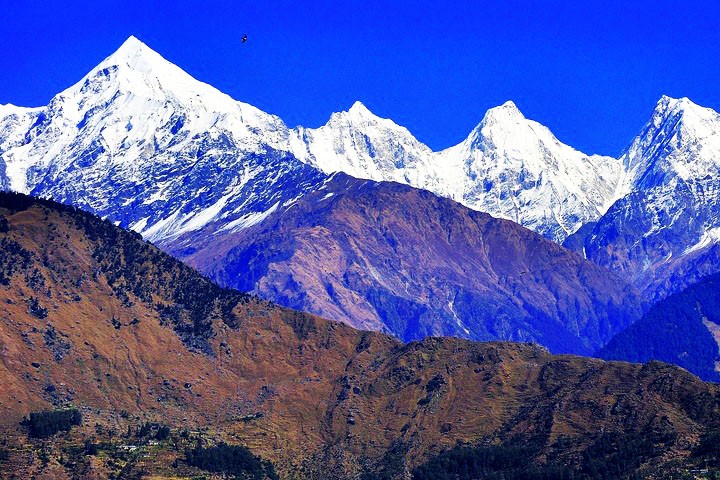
[[591, 71]]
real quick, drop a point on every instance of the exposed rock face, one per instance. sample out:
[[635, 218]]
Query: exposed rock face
[[389, 257]]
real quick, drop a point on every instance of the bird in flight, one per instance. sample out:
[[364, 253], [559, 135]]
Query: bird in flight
[[244, 38]]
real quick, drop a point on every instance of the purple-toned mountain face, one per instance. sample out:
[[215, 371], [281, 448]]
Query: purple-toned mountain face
[[388, 257]]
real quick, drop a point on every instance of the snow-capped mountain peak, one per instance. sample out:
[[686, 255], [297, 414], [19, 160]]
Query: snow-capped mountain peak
[[666, 103], [680, 141], [136, 69], [358, 116], [135, 96], [505, 128], [666, 227], [670, 113], [516, 168], [137, 73], [358, 109], [143, 142], [363, 145], [136, 55], [507, 113]]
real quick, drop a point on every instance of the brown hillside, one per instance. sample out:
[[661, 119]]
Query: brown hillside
[[91, 316]]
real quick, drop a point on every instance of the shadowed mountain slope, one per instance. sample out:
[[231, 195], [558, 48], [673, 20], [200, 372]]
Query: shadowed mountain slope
[[683, 329]]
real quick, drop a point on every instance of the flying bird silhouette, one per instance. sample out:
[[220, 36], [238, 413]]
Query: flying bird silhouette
[[244, 38]]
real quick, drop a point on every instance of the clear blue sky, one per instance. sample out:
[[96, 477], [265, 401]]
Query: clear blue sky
[[591, 71]]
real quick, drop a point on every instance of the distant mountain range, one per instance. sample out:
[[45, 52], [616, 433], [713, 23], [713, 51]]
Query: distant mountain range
[[139, 141], [509, 166], [142, 127]]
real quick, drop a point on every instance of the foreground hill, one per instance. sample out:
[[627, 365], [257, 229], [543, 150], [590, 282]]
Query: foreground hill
[[161, 364], [388, 257], [683, 329]]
